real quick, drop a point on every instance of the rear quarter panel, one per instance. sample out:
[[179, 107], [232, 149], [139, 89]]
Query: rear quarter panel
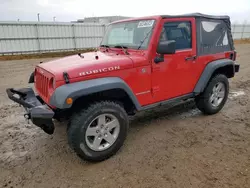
[[204, 60]]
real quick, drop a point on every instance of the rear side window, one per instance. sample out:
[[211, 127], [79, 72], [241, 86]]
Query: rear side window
[[180, 32], [213, 37]]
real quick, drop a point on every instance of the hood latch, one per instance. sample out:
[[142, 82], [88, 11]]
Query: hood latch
[[66, 77]]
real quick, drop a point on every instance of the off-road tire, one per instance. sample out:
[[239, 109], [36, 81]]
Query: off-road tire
[[202, 100], [79, 123]]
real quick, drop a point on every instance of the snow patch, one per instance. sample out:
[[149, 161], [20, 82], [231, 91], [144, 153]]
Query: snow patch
[[235, 94]]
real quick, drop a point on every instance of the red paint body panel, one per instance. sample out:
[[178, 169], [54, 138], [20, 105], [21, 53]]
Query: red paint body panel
[[74, 65], [150, 82], [175, 76]]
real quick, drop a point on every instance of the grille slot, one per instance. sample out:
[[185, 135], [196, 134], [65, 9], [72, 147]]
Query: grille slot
[[42, 84]]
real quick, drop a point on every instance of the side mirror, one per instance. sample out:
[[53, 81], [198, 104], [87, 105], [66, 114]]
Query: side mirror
[[166, 47]]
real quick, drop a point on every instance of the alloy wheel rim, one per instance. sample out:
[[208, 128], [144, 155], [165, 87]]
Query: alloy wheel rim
[[218, 94], [102, 132]]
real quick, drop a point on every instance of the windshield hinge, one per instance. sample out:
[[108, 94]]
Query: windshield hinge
[[80, 55], [66, 77]]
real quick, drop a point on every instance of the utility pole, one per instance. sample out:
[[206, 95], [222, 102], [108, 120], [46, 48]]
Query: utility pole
[[38, 17], [54, 18]]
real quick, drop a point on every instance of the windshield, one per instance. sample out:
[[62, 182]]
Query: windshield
[[133, 34]]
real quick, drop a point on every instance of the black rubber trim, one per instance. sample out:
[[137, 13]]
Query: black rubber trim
[[79, 89], [32, 78], [66, 77], [236, 67], [169, 101]]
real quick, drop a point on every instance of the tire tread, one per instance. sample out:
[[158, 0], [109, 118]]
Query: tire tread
[[202, 99], [76, 120]]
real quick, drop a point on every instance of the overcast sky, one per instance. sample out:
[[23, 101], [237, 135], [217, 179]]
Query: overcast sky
[[68, 10]]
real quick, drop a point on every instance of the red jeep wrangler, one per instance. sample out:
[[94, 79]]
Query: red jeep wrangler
[[141, 63]]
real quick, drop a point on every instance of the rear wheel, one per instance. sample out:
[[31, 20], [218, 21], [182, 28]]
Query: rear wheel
[[98, 132], [215, 95]]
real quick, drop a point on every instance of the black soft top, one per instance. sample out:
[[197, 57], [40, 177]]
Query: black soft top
[[198, 15], [216, 40]]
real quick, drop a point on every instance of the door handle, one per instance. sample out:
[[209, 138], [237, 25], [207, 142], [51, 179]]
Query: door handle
[[190, 58]]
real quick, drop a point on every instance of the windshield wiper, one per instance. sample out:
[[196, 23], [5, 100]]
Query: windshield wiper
[[124, 48], [142, 41], [104, 45]]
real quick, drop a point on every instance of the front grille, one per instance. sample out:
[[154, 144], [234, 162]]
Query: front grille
[[42, 84]]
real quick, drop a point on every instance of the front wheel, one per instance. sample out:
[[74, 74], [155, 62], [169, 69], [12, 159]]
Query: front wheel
[[98, 132], [215, 95]]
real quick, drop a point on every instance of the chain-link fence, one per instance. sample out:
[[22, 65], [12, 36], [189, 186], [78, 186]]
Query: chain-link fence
[[241, 31]]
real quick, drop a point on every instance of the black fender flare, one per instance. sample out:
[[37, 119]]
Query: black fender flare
[[32, 77], [83, 88], [208, 72]]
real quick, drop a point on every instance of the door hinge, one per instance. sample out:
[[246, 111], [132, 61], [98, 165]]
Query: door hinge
[[155, 89], [156, 69]]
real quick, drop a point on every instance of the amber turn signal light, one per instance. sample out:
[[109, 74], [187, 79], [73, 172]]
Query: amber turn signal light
[[69, 100]]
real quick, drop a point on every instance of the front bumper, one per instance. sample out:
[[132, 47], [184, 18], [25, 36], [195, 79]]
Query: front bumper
[[236, 67], [40, 115]]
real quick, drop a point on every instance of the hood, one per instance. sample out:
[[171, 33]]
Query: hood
[[91, 62]]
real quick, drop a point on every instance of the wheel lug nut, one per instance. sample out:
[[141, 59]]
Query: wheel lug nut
[[97, 131]]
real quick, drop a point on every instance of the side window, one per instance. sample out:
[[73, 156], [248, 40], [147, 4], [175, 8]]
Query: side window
[[214, 34], [213, 37], [163, 36], [180, 32]]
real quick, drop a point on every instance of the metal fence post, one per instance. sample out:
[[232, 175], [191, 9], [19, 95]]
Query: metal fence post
[[74, 35], [37, 38], [243, 29], [233, 32], [104, 29]]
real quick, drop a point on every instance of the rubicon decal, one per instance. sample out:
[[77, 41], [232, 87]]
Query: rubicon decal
[[95, 71]]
